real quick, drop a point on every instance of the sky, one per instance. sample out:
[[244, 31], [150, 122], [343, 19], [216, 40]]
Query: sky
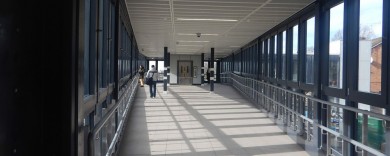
[[370, 15]]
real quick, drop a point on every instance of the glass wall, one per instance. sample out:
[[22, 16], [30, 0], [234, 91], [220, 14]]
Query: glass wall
[[370, 46], [295, 54], [274, 64], [284, 59], [310, 50], [335, 117], [336, 46]]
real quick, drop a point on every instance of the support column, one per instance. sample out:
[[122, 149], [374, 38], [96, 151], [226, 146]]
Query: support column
[[165, 69], [169, 70], [202, 69], [211, 64], [208, 70], [218, 73]]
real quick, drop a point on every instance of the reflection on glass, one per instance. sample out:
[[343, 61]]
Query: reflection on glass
[[295, 54], [375, 128], [86, 49], [268, 58], [263, 58], [206, 68], [284, 56], [335, 116], [370, 46], [215, 71], [308, 112], [336, 46], [310, 51], [275, 54]]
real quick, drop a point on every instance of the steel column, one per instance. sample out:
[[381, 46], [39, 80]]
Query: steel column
[[165, 68], [211, 64]]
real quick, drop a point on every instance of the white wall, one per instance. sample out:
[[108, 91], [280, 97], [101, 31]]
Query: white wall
[[196, 61], [364, 65]]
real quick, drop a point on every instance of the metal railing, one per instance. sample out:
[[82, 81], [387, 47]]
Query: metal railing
[[295, 110], [114, 119]]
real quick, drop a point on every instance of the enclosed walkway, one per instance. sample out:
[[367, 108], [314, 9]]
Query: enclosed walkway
[[191, 121]]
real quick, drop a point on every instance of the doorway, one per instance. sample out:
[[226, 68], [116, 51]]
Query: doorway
[[185, 72]]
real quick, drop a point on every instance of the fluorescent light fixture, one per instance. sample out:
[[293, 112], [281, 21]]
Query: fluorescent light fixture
[[190, 45], [234, 46], [206, 19], [195, 41], [188, 34]]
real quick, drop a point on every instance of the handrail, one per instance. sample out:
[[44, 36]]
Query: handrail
[[377, 115], [244, 89], [105, 119]]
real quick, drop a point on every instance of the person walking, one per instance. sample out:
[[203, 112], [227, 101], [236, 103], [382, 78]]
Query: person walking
[[152, 73], [141, 72]]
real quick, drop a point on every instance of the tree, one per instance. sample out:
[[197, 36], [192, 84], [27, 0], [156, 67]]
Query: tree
[[338, 35], [366, 32]]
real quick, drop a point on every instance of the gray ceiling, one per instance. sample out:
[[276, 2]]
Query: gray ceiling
[[174, 23]]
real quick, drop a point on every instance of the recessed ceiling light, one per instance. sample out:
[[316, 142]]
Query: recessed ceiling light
[[234, 46], [189, 34], [195, 41], [206, 19]]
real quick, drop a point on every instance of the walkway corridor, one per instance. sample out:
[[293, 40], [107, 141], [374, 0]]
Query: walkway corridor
[[191, 121]]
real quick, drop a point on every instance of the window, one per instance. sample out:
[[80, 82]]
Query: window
[[295, 54], [160, 70], [268, 59], [100, 44], [111, 42], [263, 59], [284, 56], [310, 26], [370, 46], [336, 46], [87, 18], [153, 62], [336, 122], [275, 56], [376, 129]]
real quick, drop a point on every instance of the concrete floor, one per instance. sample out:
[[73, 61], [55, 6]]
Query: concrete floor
[[191, 121]]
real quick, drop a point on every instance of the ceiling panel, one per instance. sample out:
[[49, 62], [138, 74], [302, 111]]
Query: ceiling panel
[[225, 25]]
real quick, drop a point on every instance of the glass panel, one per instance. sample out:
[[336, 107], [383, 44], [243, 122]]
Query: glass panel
[[263, 59], [275, 55], [153, 62], [310, 50], [370, 46], [335, 116], [308, 112], [86, 47], [268, 58], [295, 54], [375, 127], [284, 56], [112, 42], [215, 71], [160, 70], [336, 46], [100, 44], [206, 68]]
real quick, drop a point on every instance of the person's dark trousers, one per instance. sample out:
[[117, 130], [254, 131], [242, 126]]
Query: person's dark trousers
[[152, 89]]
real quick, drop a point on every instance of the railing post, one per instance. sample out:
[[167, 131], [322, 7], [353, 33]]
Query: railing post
[[364, 132]]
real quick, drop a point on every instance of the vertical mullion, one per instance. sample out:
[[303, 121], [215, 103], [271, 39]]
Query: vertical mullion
[[302, 29], [350, 49]]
